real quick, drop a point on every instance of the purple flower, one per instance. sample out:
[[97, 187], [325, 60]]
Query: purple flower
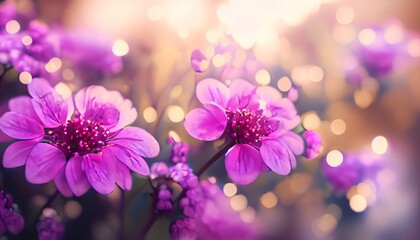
[[179, 152], [210, 216], [313, 144], [78, 142], [10, 220], [49, 228], [183, 175], [164, 198], [158, 169], [257, 121]]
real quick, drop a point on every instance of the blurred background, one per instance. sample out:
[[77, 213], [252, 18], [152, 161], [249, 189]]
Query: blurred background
[[355, 65]]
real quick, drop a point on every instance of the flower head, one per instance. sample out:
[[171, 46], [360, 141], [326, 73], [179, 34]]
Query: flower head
[[49, 228], [78, 144], [256, 121], [313, 144]]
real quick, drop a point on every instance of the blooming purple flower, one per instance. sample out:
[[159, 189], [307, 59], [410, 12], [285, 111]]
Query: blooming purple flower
[[49, 228], [209, 214], [179, 152], [256, 121], [78, 142], [313, 144], [10, 220]]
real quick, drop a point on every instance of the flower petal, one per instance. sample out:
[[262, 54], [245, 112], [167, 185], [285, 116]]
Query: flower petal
[[20, 127], [61, 183], [243, 163], [207, 123], [17, 153], [132, 160], [212, 90], [76, 176], [119, 170], [44, 163], [240, 93], [48, 104], [138, 141], [98, 173], [294, 142], [277, 156], [23, 106]]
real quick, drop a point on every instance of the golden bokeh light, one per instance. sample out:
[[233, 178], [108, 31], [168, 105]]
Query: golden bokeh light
[[379, 145], [334, 158], [230, 189], [120, 48], [311, 120], [12, 26], [149, 114], [358, 203], [176, 113], [269, 200], [248, 215], [263, 77], [367, 36], [26, 40], [53, 65], [284, 84], [338, 126], [238, 202], [345, 15], [63, 89], [25, 77]]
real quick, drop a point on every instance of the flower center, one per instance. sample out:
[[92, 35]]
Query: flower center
[[79, 136], [247, 126]]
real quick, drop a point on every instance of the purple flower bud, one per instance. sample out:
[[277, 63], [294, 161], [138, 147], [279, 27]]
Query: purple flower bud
[[183, 229], [313, 144], [10, 220], [50, 229], [179, 152], [293, 94], [183, 175], [197, 57], [158, 169]]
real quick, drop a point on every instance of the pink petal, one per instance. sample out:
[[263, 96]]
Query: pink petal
[[138, 141], [23, 106], [277, 156], [76, 176], [240, 93], [197, 56], [98, 173], [133, 161], [20, 127], [207, 123], [61, 184], [119, 170], [105, 114], [17, 153], [243, 163], [294, 142], [212, 90], [269, 94], [48, 104], [44, 163]]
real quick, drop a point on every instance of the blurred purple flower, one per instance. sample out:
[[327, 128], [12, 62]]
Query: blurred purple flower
[[183, 175], [158, 169], [256, 120], [49, 228], [210, 216], [197, 57], [164, 199], [179, 152], [313, 144], [10, 220], [78, 142]]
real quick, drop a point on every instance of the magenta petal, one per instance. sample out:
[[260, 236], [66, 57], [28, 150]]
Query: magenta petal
[[269, 94], [243, 163], [277, 156], [212, 90], [106, 114], [207, 123], [17, 153], [61, 183], [197, 56], [294, 142], [138, 141], [23, 106], [76, 176], [98, 173], [44, 163], [20, 127], [240, 93], [119, 170], [48, 104], [132, 160]]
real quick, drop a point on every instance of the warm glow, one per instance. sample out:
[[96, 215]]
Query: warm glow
[[358, 203], [394, 34], [12, 26], [176, 113], [284, 84], [63, 90], [212, 35], [183, 33], [26, 40], [72, 209], [263, 77], [230, 189], [238, 202], [367, 36], [269, 200], [155, 12], [362, 98], [338, 126], [149, 114], [379, 145], [344, 34], [345, 15], [68, 74], [247, 215], [53, 65], [218, 60], [413, 48], [120, 48], [315, 73], [335, 158], [311, 120], [176, 92], [25, 77], [174, 136]]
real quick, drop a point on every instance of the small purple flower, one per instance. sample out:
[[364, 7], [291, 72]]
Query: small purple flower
[[257, 121], [179, 152], [49, 228], [183, 175], [78, 142], [209, 214], [164, 198], [10, 220], [158, 169], [313, 144]]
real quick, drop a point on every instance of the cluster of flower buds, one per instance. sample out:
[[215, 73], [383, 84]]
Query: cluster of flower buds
[[10, 220]]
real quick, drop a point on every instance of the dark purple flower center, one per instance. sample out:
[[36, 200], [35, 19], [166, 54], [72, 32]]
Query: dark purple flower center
[[79, 136], [247, 126]]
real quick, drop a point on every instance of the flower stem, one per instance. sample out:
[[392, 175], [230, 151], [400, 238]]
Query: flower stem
[[47, 204], [154, 214], [121, 212], [213, 159]]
